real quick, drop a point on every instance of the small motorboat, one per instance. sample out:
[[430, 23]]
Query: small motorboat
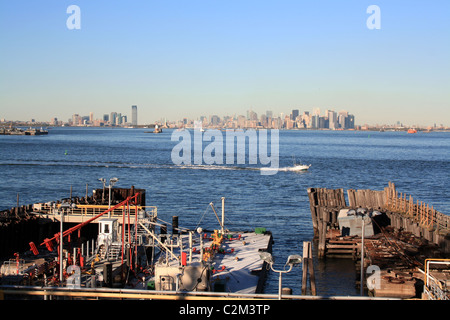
[[300, 167]]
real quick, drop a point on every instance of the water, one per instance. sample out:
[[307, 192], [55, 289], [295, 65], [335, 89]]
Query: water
[[42, 168]]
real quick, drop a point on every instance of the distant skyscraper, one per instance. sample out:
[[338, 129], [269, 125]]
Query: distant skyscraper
[[332, 119], [350, 122], [134, 121], [315, 121], [214, 120], [76, 119], [112, 118], [294, 114]]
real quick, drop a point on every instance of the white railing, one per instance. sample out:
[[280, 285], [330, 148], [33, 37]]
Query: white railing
[[433, 288], [12, 267]]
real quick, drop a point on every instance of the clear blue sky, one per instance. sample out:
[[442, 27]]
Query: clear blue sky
[[178, 58]]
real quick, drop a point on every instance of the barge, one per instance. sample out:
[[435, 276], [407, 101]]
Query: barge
[[134, 250]]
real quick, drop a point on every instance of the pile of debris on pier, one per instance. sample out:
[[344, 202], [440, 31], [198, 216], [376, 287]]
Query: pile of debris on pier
[[398, 237]]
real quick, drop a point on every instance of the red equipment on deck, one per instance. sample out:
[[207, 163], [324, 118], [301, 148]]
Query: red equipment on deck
[[48, 242]]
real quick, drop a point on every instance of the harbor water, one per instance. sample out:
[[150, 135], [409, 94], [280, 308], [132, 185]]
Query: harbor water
[[44, 168]]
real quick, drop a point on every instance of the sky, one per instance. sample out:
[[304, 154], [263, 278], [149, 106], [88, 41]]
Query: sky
[[178, 58]]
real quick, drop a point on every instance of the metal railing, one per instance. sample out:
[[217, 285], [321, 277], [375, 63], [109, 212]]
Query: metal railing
[[110, 293], [93, 210], [433, 288], [13, 267]]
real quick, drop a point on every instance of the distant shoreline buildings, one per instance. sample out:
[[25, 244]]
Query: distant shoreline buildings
[[113, 119], [328, 120]]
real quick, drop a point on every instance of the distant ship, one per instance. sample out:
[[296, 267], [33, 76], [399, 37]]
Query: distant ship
[[412, 131]]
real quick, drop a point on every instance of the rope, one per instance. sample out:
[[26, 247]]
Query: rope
[[202, 217]]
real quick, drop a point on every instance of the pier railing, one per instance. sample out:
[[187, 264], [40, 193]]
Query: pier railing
[[401, 203], [420, 212]]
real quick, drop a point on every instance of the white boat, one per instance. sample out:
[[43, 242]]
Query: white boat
[[295, 168], [300, 167]]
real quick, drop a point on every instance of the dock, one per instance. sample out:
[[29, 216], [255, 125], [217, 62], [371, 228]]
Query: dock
[[22, 132], [387, 232]]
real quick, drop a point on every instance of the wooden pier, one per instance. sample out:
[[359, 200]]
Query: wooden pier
[[407, 232]]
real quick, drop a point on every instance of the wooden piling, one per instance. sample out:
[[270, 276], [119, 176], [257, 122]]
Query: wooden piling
[[323, 221], [308, 268], [312, 194]]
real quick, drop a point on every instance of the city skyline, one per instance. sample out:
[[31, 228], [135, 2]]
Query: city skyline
[[183, 59], [296, 119]]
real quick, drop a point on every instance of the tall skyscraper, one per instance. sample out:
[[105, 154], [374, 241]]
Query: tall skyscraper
[[134, 121], [350, 121], [332, 119]]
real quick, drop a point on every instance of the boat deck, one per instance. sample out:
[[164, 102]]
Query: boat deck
[[244, 270], [236, 267]]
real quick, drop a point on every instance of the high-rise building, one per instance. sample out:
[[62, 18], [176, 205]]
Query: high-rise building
[[134, 121], [350, 123], [76, 119], [342, 118], [294, 114], [332, 120], [315, 121], [323, 123], [112, 118], [263, 120], [252, 115], [214, 120]]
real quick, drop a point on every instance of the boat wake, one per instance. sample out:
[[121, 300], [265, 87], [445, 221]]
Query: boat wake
[[297, 168], [58, 163]]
